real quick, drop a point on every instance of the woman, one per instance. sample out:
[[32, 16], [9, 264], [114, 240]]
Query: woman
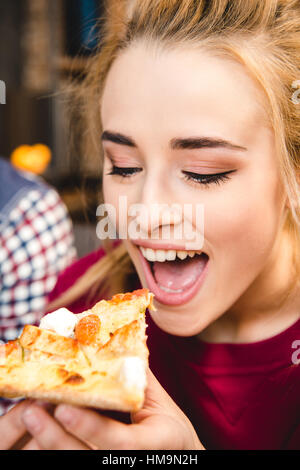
[[193, 101]]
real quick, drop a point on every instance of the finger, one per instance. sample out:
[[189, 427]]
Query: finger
[[100, 431], [158, 432], [48, 434], [152, 426], [155, 432], [31, 445], [21, 442], [159, 403], [106, 433], [11, 425], [157, 400], [156, 392], [162, 414]]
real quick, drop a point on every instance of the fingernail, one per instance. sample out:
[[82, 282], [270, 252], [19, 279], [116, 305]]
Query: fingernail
[[65, 414], [31, 420]]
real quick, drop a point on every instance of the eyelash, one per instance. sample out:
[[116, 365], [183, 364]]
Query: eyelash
[[196, 178], [124, 172], [208, 179]]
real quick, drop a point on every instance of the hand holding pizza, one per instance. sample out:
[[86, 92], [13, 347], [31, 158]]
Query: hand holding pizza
[[97, 359], [13, 434], [160, 424]]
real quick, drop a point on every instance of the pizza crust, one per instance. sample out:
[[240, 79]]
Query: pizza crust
[[82, 387]]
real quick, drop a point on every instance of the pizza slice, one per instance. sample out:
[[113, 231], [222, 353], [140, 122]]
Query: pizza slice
[[97, 358]]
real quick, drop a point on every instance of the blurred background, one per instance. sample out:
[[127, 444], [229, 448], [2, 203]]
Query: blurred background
[[44, 43]]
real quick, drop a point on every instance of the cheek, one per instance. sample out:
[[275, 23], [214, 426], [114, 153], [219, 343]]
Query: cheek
[[120, 197], [111, 198], [243, 224], [109, 195]]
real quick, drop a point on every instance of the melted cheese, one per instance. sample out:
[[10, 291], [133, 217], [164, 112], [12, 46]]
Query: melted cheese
[[132, 373], [62, 321]]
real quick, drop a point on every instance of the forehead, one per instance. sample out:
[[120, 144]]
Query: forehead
[[181, 90]]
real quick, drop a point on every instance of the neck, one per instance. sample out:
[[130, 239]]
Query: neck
[[267, 307]]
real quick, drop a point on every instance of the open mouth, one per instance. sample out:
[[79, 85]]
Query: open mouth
[[174, 276]]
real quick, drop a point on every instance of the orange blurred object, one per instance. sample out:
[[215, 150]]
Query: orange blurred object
[[34, 159]]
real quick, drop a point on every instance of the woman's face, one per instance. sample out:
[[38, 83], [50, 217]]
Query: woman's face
[[215, 112]]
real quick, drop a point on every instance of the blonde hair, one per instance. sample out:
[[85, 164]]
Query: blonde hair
[[263, 35]]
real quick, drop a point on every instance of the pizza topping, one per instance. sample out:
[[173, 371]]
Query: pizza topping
[[62, 321], [74, 379], [144, 295], [10, 346], [87, 329], [62, 373], [46, 341], [23, 354], [29, 336], [99, 354], [69, 377], [132, 373], [5, 350], [118, 298]]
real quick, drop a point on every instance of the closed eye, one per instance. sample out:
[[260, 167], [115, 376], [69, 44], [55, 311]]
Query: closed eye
[[124, 171], [203, 179], [206, 179]]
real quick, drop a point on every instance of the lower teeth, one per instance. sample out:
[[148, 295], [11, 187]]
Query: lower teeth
[[171, 291]]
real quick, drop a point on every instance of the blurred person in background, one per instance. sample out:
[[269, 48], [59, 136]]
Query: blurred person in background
[[36, 243]]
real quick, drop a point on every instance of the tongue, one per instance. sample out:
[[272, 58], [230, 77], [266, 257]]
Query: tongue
[[178, 274]]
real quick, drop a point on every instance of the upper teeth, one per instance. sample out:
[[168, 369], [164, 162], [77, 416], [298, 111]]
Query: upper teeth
[[166, 255]]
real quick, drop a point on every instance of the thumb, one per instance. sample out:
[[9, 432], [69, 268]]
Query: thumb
[[156, 400], [161, 424]]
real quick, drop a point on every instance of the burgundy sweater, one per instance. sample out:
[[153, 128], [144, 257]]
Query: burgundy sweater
[[238, 396]]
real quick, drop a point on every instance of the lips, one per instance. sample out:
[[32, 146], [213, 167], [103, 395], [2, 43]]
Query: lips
[[175, 282]]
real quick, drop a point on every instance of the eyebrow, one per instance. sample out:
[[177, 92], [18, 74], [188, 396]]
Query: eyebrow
[[175, 144]]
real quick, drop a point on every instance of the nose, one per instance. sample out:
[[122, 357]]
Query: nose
[[159, 217], [155, 219], [157, 213]]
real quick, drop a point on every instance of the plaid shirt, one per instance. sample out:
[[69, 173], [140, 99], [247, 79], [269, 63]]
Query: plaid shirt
[[36, 243]]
